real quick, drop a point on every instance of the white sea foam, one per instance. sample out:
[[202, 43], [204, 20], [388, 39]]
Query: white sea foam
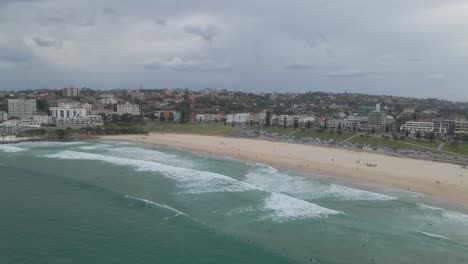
[[11, 149], [190, 180], [150, 155], [456, 217], [160, 205], [193, 181], [48, 144], [432, 235], [271, 179], [289, 208], [428, 207], [96, 146]]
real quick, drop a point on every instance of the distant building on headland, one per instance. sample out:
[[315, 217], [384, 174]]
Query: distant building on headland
[[70, 92], [128, 108]]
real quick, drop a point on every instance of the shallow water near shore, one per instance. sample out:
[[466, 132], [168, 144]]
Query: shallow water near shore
[[118, 202]]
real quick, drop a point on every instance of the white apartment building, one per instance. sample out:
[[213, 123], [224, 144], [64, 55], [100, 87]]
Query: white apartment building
[[79, 121], [7, 129], [286, 120], [60, 112], [128, 108], [22, 108], [28, 123], [241, 118], [414, 126], [208, 117], [42, 119], [106, 101], [3, 116], [461, 128]]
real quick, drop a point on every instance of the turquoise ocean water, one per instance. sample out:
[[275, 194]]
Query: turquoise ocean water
[[117, 202]]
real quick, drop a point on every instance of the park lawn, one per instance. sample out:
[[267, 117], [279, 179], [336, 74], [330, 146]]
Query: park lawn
[[396, 144], [324, 135], [424, 143], [309, 133], [191, 128], [462, 148]]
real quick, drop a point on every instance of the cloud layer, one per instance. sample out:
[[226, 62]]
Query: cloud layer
[[355, 46]]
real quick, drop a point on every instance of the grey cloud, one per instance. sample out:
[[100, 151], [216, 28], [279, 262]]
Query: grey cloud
[[353, 73], [110, 11], [45, 42], [188, 64], [299, 66], [70, 19], [14, 52], [207, 32], [7, 2], [393, 54], [436, 76], [161, 22]]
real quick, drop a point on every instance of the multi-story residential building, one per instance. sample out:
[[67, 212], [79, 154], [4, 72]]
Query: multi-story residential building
[[208, 117], [378, 119], [70, 92], [61, 112], [128, 108], [461, 128], [21, 108], [79, 121], [443, 126], [241, 118], [106, 101], [42, 118], [414, 126], [7, 129], [168, 115], [3, 116], [28, 123], [287, 120], [354, 122]]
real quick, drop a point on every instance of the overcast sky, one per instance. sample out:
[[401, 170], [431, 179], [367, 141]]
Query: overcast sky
[[398, 47]]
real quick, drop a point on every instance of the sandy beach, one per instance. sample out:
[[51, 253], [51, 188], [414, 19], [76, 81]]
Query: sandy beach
[[439, 180]]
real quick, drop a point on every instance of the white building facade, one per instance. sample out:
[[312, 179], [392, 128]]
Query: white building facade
[[414, 126], [60, 112], [129, 109], [22, 108], [79, 121]]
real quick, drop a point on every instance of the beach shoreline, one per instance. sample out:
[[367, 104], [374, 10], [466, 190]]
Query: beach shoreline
[[438, 180]]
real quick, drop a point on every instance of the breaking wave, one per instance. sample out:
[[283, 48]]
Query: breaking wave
[[286, 208], [11, 149], [279, 207], [271, 179]]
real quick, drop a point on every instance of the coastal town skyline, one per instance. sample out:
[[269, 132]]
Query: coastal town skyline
[[256, 46]]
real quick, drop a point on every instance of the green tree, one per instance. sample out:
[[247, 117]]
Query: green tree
[[61, 133], [309, 124], [268, 119], [296, 123], [418, 134], [42, 105]]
